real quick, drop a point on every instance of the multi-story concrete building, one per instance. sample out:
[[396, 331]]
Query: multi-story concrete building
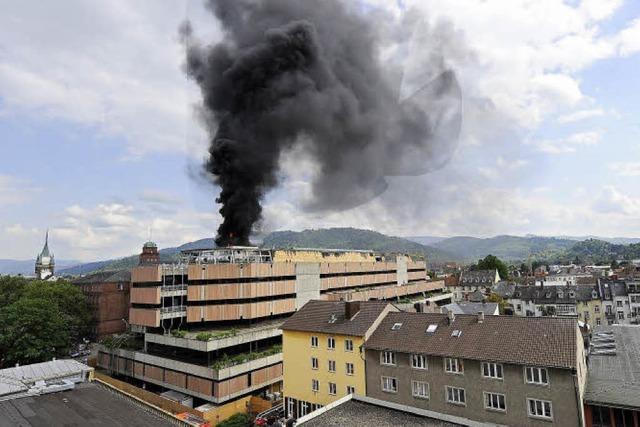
[[108, 296], [322, 356], [502, 370], [211, 322]]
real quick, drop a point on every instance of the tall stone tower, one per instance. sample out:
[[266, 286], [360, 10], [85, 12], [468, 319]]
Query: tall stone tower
[[45, 262], [149, 255]]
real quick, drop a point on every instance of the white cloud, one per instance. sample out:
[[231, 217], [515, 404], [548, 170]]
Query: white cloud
[[581, 115], [15, 191], [113, 66], [628, 40], [569, 144], [613, 201], [628, 169]]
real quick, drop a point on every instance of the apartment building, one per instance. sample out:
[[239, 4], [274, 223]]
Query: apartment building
[[501, 370], [472, 281], [210, 323], [322, 352], [616, 302]]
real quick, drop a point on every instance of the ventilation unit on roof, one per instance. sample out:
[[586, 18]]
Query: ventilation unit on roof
[[432, 328], [456, 333], [396, 326]]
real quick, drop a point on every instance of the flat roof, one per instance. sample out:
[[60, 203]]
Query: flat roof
[[87, 404], [371, 412], [17, 379], [614, 380]]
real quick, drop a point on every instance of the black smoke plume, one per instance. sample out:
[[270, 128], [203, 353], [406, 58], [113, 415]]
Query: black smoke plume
[[308, 73]]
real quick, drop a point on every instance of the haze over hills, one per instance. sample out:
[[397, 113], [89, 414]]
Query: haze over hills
[[439, 249]]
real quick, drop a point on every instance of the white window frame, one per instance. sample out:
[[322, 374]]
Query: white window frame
[[534, 370], [419, 361], [314, 341], [456, 393], [331, 343], [331, 366], [542, 403], [420, 386], [388, 358], [315, 385], [488, 397], [390, 381], [333, 389], [291, 406], [492, 370], [348, 345], [353, 368], [351, 389], [304, 408], [315, 363], [453, 365]]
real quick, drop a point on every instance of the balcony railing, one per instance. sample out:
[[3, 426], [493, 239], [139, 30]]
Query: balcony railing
[[173, 309], [173, 288]]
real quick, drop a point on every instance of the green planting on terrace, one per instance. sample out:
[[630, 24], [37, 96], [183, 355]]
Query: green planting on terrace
[[227, 361], [208, 336]]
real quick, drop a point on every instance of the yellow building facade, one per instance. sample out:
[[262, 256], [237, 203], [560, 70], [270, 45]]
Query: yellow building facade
[[591, 312], [321, 367]]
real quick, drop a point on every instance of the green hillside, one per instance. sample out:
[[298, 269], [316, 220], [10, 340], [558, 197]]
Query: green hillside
[[509, 248], [351, 238]]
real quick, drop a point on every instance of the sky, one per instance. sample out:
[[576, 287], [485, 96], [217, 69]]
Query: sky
[[100, 141]]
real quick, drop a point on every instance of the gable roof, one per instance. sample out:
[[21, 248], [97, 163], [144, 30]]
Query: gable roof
[[539, 341], [315, 315], [478, 277], [472, 307]]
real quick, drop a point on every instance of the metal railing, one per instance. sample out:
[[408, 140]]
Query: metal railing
[[173, 288], [173, 309]]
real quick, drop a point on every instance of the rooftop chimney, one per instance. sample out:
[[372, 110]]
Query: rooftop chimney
[[451, 316], [351, 308], [480, 316]]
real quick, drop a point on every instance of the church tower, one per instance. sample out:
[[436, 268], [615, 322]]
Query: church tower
[[45, 263]]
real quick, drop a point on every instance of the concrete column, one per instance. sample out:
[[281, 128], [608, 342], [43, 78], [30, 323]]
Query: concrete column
[[307, 282]]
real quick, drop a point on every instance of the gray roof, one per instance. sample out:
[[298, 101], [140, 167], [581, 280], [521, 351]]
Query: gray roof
[[354, 412], [478, 277], [615, 379], [560, 294], [86, 405], [114, 276], [504, 289], [13, 380], [472, 307]]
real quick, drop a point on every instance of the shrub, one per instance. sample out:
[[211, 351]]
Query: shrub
[[179, 333], [237, 420], [204, 336]]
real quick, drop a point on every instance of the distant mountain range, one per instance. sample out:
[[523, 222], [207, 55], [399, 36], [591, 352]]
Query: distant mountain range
[[436, 249], [27, 267]]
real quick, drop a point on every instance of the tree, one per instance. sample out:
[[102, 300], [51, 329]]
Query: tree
[[502, 304], [614, 264], [40, 320], [492, 262], [33, 330]]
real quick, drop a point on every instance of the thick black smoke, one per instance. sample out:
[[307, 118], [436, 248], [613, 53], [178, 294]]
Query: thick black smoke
[[308, 72]]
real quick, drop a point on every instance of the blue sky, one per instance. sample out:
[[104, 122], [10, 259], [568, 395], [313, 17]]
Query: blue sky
[[99, 139]]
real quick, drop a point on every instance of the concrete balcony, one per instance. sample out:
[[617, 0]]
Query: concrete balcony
[[173, 312], [241, 336], [193, 369], [173, 291]]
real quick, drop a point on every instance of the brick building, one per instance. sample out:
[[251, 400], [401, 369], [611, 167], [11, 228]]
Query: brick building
[[108, 295]]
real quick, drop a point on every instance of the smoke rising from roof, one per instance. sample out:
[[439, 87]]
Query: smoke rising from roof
[[309, 74]]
